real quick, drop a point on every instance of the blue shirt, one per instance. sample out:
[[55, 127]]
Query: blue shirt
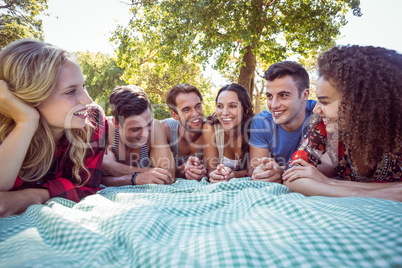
[[268, 135]]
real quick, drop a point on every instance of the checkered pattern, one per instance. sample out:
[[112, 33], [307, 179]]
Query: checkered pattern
[[240, 223]]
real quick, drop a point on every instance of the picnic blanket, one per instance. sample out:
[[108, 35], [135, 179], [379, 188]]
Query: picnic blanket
[[241, 223]]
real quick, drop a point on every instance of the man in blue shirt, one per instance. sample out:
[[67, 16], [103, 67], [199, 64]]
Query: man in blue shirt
[[276, 134]]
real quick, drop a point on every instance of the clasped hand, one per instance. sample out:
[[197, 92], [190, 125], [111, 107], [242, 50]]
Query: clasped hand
[[193, 169], [221, 173], [268, 171]]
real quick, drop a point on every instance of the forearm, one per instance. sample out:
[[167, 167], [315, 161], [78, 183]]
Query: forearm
[[116, 181], [311, 187], [119, 169], [366, 185], [13, 151], [16, 202]]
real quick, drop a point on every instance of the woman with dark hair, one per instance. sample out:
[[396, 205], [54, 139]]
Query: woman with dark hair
[[226, 134], [359, 94]]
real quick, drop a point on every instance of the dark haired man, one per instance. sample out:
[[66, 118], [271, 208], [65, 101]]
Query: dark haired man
[[276, 134], [138, 151], [183, 130]]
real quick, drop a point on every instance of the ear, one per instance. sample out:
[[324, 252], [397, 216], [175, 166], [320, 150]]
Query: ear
[[174, 115], [305, 95], [116, 124]]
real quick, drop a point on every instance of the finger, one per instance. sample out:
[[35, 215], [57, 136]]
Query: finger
[[190, 175], [215, 176], [300, 162], [196, 171]]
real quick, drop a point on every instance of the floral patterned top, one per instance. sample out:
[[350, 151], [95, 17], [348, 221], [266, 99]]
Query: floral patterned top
[[317, 141]]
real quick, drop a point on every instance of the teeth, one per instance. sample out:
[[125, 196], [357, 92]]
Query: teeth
[[278, 113], [81, 112], [196, 121], [226, 119]]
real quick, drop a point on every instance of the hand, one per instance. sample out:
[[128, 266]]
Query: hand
[[155, 176], [302, 169], [268, 171], [221, 173], [14, 108], [193, 169]]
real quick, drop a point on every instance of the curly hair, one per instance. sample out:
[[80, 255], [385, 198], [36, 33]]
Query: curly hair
[[370, 113]]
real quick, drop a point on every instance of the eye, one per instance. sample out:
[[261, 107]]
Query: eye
[[135, 129], [283, 95], [233, 106], [185, 110], [219, 106], [150, 124], [71, 92], [269, 96]]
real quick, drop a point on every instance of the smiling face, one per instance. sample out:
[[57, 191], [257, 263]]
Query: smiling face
[[66, 107], [189, 111], [328, 104], [229, 109], [134, 132], [284, 103]]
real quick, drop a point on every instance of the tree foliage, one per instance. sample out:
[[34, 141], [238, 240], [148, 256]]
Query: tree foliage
[[19, 19], [144, 66], [248, 31], [102, 74]]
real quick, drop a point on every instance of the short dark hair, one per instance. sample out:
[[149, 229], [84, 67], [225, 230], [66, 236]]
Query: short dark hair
[[291, 68], [127, 101], [178, 89]]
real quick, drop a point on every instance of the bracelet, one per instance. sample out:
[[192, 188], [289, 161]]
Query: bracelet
[[133, 177]]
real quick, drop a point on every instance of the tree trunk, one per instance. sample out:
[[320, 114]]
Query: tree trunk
[[246, 77]]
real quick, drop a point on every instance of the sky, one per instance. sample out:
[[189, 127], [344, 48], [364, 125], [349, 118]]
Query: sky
[[87, 25]]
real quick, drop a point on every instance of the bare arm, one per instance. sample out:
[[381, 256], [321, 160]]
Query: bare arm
[[211, 159], [308, 180], [16, 202], [161, 156], [14, 148]]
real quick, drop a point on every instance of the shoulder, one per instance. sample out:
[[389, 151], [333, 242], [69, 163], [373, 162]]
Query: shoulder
[[166, 126], [264, 115], [310, 105], [207, 130], [262, 120]]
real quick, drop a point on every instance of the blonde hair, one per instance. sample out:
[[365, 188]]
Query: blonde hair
[[31, 69]]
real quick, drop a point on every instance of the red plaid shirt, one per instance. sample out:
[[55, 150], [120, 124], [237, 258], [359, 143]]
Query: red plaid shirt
[[60, 181]]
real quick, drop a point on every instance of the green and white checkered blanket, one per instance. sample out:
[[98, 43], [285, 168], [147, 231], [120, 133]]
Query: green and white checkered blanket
[[240, 223]]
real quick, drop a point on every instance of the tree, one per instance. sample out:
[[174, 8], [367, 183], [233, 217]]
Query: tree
[[102, 74], [19, 19], [250, 31], [144, 66]]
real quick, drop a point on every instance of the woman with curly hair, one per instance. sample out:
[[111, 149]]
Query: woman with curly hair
[[359, 94], [51, 137], [226, 134]]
